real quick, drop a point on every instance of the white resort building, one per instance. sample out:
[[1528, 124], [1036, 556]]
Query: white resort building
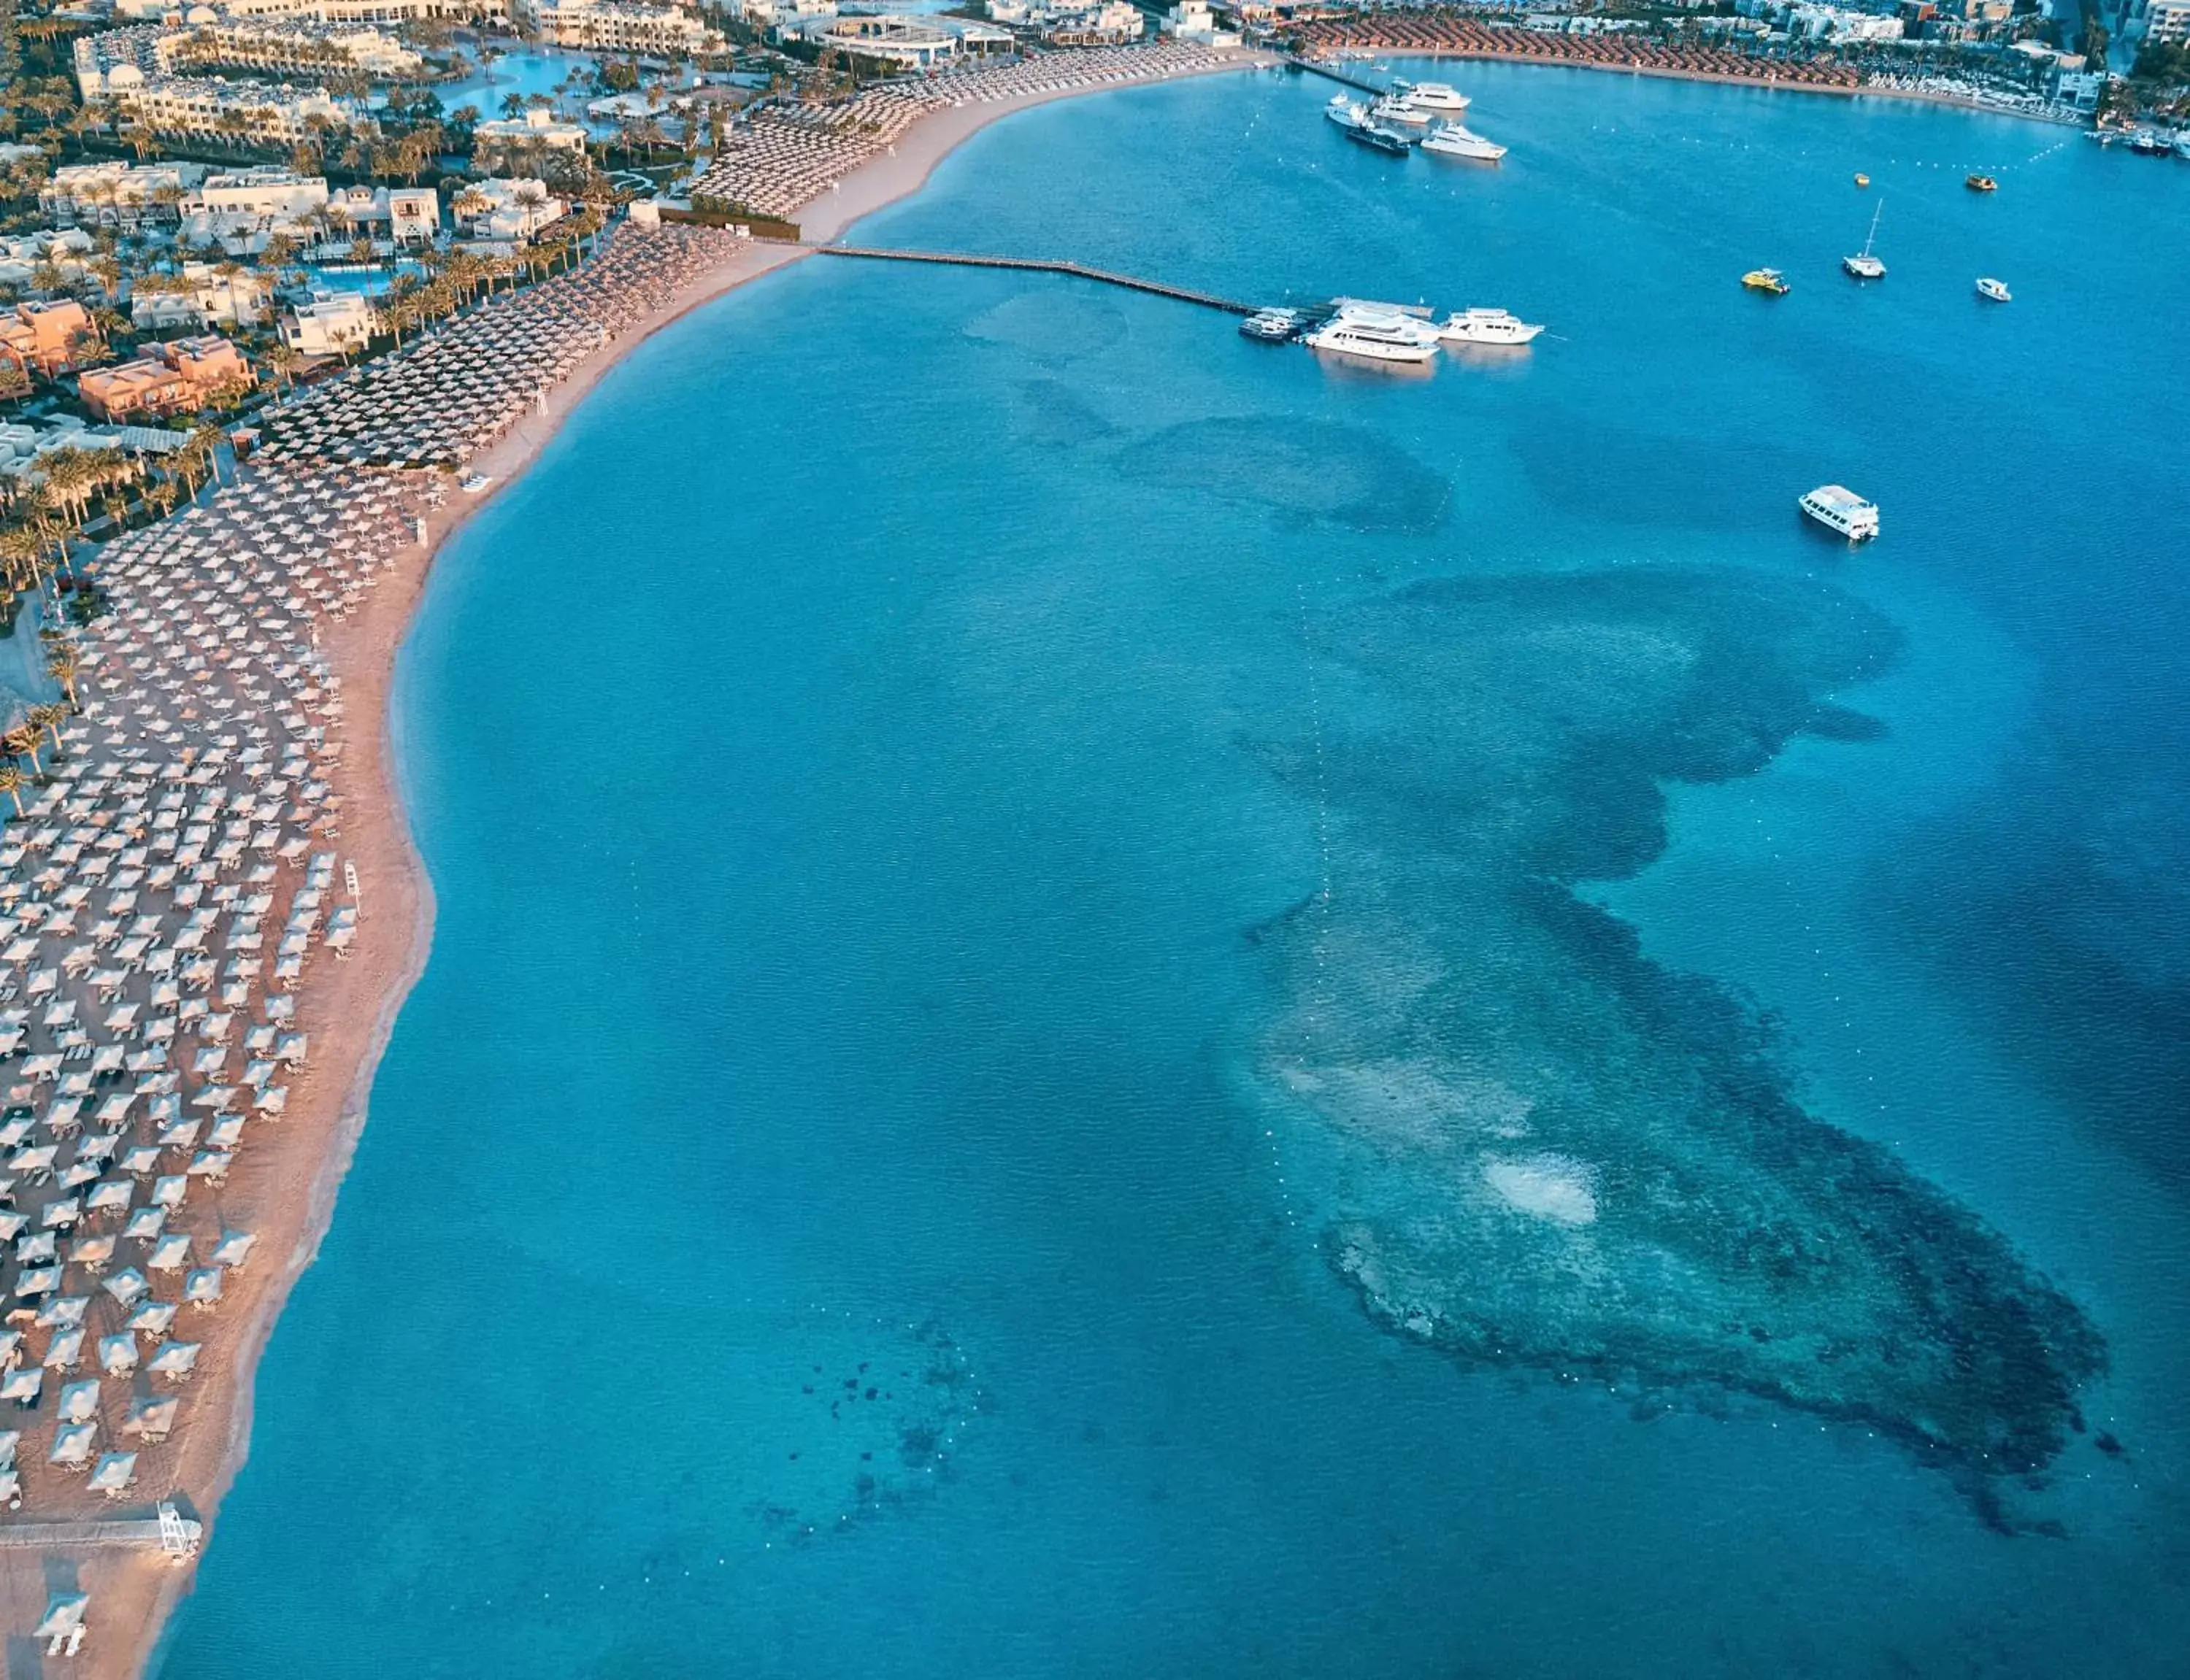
[[537, 127], [616, 26], [331, 323], [118, 195], [507, 212]]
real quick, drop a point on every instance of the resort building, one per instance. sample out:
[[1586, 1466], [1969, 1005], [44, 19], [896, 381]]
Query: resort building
[[1193, 20], [287, 46], [204, 294], [241, 205], [537, 127], [506, 210], [885, 37], [368, 11], [2167, 22], [47, 336], [22, 255], [118, 195], [176, 378], [259, 113], [331, 323], [616, 26], [1117, 23]]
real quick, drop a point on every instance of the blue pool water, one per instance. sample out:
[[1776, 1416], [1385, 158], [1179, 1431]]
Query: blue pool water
[[904, 769]]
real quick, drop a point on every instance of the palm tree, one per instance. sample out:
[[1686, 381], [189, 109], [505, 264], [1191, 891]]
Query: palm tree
[[23, 742], [49, 718], [12, 783]]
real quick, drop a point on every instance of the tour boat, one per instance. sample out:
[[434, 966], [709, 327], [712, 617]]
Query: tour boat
[[1389, 110], [1989, 287], [1488, 326], [1450, 139], [1981, 183], [1433, 96], [1838, 508], [1347, 114], [1767, 280], [1380, 332], [1863, 265]]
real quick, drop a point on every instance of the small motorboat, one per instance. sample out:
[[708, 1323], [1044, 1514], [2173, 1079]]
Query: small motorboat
[[1271, 326], [1981, 183], [1766, 280], [1862, 180], [1990, 288]]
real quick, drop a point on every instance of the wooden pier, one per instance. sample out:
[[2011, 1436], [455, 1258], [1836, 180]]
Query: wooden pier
[[1075, 270], [1318, 67], [168, 1531]]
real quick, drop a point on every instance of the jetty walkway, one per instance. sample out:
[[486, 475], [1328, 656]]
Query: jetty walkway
[[1076, 270]]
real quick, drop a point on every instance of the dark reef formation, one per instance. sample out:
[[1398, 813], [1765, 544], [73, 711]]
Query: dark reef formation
[[1547, 1151]]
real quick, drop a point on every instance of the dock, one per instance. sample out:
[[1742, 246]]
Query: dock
[[1318, 67], [1040, 265], [169, 1532]]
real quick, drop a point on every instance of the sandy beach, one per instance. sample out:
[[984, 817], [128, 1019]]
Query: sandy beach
[[287, 1186]]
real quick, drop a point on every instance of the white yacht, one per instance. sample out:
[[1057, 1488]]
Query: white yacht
[[1838, 508], [1379, 332], [1488, 326], [1995, 289], [1347, 113], [1436, 96], [1399, 112], [1454, 140]]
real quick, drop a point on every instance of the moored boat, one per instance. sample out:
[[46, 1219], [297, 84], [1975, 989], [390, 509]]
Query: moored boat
[[1994, 290], [1840, 509], [1488, 326], [1398, 113], [1379, 332], [1451, 140], [1435, 96], [1377, 138], [1271, 326], [1863, 265]]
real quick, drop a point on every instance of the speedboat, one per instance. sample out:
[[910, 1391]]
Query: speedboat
[[1450, 139], [1389, 110], [1981, 183], [1862, 180], [1434, 96], [1377, 138], [1863, 265], [1380, 332], [1767, 280], [1993, 289], [2145, 144], [1838, 508], [1488, 326]]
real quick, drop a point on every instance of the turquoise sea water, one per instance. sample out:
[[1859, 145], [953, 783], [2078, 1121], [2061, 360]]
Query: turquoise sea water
[[837, 1202]]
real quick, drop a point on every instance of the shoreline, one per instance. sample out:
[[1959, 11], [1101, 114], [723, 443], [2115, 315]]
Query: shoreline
[[357, 1005], [1762, 84]]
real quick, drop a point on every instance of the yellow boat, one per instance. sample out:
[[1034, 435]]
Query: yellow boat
[[1767, 280], [1980, 183], [1862, 180]]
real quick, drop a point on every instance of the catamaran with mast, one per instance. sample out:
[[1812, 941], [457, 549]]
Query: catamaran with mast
[[1863, 265]]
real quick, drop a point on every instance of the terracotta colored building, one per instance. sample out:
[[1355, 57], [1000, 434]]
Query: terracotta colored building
[[45, 338], [179, 377]]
